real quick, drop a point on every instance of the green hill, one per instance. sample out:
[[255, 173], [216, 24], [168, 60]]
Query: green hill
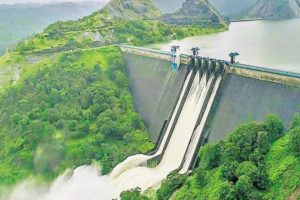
[[21, 21], [64, 96], [255, 162]]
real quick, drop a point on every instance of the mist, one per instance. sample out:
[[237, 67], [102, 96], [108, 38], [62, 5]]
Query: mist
[[85, 182], [46, 1]]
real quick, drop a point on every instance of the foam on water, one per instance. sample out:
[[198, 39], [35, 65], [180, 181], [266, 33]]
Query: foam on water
[[83, 183]]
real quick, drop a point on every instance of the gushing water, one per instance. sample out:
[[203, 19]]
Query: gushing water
[[83, 183], [199, 130], [86, 183]]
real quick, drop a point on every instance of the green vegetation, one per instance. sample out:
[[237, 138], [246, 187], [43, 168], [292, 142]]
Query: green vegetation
[[173, 182], [255, 162], [18, 22], [96, 31], [64, 97], [70, 112], [134, 194]]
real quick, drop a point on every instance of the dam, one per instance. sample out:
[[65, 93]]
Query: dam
[[229, 94], [184, 101]]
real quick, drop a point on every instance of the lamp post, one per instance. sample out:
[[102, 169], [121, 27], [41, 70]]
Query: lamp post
[[195, 51], [175, 57], [233, 55]]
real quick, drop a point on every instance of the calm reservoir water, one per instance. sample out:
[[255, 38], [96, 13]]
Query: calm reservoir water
[[272, 44]]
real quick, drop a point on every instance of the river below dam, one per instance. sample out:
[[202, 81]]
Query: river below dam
[[272, 44]]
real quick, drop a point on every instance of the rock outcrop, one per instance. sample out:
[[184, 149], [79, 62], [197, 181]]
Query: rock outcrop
[[195, 12], [233, 8], [276, 9], [132, 9], [168, 6]]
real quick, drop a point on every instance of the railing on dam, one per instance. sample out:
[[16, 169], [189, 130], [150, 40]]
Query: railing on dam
[[267, 70], [185, 59]]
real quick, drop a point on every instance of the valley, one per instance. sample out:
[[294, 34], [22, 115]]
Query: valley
[[87, 112]]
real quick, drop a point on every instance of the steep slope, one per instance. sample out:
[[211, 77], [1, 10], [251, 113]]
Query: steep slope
[[19, 21], [255, 162], [69, 93], [279, 9], [168, 6], [197, 12], [132, 9], [233, 8], [126, 21]]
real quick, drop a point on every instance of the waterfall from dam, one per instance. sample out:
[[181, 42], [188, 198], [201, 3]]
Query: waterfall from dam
[[176, 149]]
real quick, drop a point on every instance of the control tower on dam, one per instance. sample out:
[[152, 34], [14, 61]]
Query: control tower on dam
[[243, 93]]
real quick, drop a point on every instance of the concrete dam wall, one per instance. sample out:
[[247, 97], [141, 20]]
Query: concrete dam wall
[[228, 94], [242, 99], [155, 89]]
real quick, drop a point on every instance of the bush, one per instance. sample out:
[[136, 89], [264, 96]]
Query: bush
[[243, 187], [227, 192], [170, 185], [210, 156], [295, 121], [274, 126], [201, 177], [295, 141], [133, 194], [248, 169], [228, 171]]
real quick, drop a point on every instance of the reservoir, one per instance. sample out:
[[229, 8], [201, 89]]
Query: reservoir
[[272, 44]]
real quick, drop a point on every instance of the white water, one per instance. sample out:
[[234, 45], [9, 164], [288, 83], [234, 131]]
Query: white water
[[144, 177], [137, 160], [86, 183], [199, 131], [168, 131], [83, 184]]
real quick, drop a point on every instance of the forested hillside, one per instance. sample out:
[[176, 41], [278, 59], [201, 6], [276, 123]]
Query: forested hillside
[[72, 110], [21, 21], [64, 95], [257, 161]]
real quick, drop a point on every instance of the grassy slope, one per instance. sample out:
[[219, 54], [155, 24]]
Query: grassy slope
[[283, 169]]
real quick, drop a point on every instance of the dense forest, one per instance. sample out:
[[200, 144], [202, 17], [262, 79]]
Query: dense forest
[[259, 160], [65, 99], [72, 111], [65, 102]]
